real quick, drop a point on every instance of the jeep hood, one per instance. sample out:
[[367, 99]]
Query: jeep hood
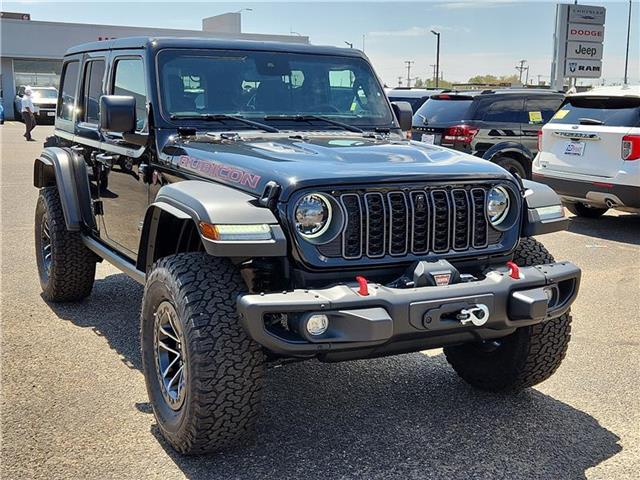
[[296, 162]]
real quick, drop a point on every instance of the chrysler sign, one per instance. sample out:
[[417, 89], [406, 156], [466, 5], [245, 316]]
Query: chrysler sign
[[586, 14]]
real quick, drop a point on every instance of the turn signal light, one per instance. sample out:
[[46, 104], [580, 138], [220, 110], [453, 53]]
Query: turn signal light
[[631, 147], [458, 134], [236, 233]]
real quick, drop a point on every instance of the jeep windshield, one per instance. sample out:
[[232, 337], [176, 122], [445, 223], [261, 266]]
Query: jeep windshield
[[280, 89]]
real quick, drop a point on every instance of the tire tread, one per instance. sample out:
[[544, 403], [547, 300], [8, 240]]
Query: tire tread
[[226, 394]]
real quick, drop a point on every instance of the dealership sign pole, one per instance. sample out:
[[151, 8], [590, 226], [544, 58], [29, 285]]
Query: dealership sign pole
[[577, 43]]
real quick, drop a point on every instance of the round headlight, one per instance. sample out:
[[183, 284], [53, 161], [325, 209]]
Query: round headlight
[[313, 215], [497, 205]]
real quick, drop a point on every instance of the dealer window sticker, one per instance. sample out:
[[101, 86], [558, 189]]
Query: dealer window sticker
[[535, 117], [560, 114]]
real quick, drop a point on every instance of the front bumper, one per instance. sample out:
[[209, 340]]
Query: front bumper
[[45, 113], [393, 315]]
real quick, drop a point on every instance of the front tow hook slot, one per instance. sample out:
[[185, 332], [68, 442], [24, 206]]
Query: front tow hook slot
[[478, 315]]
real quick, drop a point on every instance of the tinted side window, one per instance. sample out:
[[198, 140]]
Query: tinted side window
[[94, 72], [541, 107], [129, 80], [66, 105], [507, 110]]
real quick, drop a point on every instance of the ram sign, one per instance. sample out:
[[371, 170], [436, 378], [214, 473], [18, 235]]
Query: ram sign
[[583, 68]]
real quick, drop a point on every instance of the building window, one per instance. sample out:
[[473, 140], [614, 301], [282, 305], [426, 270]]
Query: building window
[[94, 72], [129, 80], [68, 91]]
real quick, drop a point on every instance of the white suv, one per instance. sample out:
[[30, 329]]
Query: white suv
[[589, 152]]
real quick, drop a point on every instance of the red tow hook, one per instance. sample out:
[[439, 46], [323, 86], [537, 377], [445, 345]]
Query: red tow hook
[[514, 270], [364, 288]]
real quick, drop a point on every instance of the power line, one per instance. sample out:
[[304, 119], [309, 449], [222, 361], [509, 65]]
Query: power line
[[521, 68], [409, 63]]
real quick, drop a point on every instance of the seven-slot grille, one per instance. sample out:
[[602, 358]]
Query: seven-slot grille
[[418, 221]]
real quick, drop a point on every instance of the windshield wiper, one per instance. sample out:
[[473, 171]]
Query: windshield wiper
[[221, 117], [590, 121], [306, 118]]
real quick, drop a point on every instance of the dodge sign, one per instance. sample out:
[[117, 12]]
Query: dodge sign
[[585, 33]]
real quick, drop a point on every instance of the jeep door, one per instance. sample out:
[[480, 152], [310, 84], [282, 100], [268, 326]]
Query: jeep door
[[125, 192]]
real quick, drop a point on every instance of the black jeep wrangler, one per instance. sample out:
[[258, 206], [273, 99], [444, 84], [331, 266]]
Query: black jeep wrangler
[[264, 195]]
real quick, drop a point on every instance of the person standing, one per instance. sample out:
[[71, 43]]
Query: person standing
[[28, 113]]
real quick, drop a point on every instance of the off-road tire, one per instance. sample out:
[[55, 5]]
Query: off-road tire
[[582, 210], [224, 367], [512, 165], [73, 266], [525, 358]]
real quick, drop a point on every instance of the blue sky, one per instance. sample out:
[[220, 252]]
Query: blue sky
[[478, 37]]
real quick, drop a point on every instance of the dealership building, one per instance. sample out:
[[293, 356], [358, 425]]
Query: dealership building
[[31, 51]]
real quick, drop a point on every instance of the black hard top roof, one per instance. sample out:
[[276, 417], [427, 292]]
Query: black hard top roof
[[211, 43]]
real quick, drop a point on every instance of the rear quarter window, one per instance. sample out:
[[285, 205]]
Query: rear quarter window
[[450, 110], [611, 111], [506, 110]]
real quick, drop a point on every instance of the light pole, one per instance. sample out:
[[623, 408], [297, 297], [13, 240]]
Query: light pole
[[626, 57], [437, 34], [349, 43]]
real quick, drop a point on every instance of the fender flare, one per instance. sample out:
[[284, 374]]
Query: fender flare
[[538, 195], [507, 147], [213, 203], [66, 170]]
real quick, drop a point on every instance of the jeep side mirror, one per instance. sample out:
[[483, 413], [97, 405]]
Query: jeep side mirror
[[404, 114], [117, 114]]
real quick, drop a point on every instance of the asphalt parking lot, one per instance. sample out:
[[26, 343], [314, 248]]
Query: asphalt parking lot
[[74, 404]]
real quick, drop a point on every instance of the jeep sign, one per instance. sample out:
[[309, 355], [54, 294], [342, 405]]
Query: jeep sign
[[583, 68], [585, 50], [585, 33]]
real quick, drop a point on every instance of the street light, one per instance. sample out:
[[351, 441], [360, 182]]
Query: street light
[[626, 57], [244, 10], [349, 43], [437, 34]]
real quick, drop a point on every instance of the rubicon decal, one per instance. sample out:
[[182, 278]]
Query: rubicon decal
[[218, 170]]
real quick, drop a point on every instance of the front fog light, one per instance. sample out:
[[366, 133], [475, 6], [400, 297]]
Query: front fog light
[[317, 324]]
